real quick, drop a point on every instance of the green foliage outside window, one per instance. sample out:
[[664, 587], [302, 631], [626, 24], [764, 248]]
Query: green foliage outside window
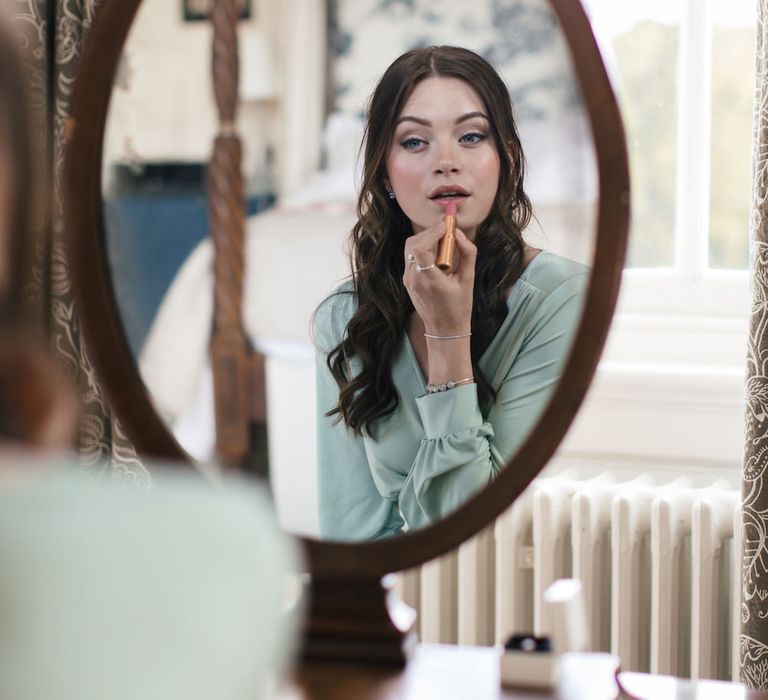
[[647, 64], [647, 61], [733, 90]]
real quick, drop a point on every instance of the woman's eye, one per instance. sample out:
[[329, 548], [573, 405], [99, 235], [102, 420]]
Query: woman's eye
[[474, 137], [412, 143]]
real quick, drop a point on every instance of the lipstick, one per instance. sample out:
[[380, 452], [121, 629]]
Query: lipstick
[[446, 248]]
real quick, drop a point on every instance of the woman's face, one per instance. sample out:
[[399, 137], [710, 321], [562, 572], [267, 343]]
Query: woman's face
[[443, 150]]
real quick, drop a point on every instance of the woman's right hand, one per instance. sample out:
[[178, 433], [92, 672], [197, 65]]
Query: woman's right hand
[[443, 300]]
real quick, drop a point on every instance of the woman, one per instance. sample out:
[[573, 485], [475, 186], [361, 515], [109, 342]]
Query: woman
[[428, 381]]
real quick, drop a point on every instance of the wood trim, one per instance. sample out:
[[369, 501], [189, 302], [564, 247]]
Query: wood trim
[[133, 406], [226, 217]]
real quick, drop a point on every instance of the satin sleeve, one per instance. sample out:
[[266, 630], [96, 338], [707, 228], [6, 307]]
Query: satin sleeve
[[350, 507], [461, 450]]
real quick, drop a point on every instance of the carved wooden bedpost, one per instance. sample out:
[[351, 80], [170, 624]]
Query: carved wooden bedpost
[[229, 351]]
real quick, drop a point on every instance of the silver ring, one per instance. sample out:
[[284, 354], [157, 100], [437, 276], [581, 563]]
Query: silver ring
[[410, 259], [424, 269]]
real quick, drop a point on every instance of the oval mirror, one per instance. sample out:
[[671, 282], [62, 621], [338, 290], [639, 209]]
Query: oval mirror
[[143, 124]]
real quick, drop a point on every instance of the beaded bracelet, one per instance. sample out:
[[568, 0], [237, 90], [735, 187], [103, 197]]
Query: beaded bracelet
[[436, 388]]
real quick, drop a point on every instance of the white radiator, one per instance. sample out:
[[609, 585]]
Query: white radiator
[[658, 561]]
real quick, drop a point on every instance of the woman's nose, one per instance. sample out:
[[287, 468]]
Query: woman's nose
[[447, 160]]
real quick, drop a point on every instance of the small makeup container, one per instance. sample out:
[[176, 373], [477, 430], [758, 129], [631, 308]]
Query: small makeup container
[[529, 662], [534, 662]]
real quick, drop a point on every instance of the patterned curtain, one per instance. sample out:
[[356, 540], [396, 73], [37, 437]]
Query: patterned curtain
[[29, 22], [52, 54], [753, 657]]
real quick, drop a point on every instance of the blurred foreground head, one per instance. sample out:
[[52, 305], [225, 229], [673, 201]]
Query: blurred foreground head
[[37, 407]]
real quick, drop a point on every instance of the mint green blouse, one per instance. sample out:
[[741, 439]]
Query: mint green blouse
[[437, 450]]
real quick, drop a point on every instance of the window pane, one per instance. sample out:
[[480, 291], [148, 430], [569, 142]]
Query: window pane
[[644, 40], [733, 90]]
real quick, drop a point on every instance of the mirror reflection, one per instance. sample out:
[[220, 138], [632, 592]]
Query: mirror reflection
[[373, 427]]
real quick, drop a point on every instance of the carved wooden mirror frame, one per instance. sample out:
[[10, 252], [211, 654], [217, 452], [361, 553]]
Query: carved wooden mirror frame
[[346, 577]]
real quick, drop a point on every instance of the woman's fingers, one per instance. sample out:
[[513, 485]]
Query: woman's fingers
[[423, 245], [421, 250], [442, 300]]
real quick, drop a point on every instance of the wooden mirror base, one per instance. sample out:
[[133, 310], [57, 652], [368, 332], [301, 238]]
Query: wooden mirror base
[[358, 620]]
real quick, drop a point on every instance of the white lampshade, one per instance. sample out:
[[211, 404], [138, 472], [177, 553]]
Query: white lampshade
[[257, 71]]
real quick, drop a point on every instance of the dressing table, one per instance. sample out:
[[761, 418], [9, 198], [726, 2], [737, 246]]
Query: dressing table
[[444, 672]]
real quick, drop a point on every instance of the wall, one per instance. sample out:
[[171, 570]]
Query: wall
[[668, 397], [162, 105]]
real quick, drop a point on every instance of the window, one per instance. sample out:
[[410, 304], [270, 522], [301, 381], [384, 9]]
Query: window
[[684, 75]]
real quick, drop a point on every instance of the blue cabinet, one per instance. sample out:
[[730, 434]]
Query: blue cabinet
[[154, 218]]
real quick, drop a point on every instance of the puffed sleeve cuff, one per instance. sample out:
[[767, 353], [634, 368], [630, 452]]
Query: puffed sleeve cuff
[[451, 411]]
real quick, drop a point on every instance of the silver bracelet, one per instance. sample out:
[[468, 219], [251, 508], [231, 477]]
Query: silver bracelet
[[436, 388], [448, 337]]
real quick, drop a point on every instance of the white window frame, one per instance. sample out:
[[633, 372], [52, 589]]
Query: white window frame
[[669, 393], [701, 300]]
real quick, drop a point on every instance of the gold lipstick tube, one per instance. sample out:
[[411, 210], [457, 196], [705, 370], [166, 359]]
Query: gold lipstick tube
[[446, 248]]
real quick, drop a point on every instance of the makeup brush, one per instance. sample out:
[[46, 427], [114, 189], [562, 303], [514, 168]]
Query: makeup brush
[[446, 248]]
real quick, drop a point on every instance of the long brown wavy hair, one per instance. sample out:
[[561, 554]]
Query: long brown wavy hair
[[375, 331], [16, 145], [37, 405]]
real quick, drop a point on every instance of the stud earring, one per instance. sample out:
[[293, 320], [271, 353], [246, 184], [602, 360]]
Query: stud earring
[[390, 194]]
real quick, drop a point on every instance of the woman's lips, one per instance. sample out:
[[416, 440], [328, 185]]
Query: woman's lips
[[444, 201]]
